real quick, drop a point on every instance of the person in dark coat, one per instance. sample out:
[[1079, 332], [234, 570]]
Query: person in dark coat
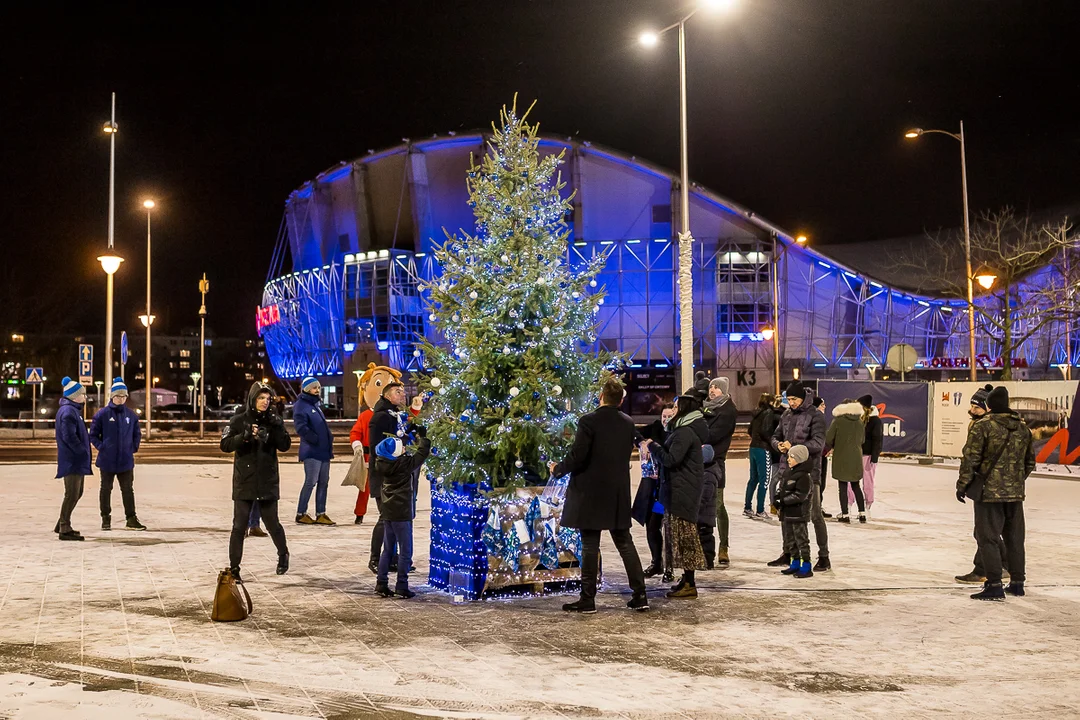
[[819, 404], [316, 450], [647, 508], [977, 411], [998, 458], [598, 495], [844, 440], [871, 449], [721, 416], [72, 454], [255, 436], [794, 500], [116, 435], [802, 424], [397, 510], [388, 419], [682, 477], [762, 426]]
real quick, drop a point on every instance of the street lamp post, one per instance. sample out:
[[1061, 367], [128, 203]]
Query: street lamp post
[[110, 129], [148, 320], [911, 135], [204, 287], [686, 280]]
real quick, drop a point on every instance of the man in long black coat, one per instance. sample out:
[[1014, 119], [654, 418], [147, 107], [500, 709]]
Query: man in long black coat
[[598, 496]]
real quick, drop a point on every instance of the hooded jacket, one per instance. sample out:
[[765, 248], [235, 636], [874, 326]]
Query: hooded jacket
[[804, 426], [875, 434], [255, 463], [998, 457], [793, 492], [386, 421], [762, 426], [316, 440], [720, 416], [116, 434], [682, 471], [397, 488], [72, 440], [845, 437]]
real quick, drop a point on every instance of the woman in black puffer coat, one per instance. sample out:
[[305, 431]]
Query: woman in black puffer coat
[[682, 477]]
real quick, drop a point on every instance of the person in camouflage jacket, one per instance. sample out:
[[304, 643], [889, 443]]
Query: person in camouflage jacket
[[998, 457]]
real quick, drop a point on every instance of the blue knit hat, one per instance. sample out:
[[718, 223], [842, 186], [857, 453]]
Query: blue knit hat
[[70, 386], [390, 448], [307, 383], [118, 387]]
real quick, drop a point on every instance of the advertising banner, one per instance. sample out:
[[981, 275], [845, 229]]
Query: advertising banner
[[1044, 405], [902, 406]]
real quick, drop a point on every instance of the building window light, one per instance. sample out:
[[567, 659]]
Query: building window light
[[845, 364], [821, 364], [350, 257], [383, 253]]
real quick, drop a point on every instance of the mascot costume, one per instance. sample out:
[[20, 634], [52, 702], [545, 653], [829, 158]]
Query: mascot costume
[[370, 384]]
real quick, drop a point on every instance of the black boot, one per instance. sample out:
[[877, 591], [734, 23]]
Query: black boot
[[1016, 588], [585, 607], [283, 564], [653, 570], [638, 602], [991, 591], [236, 574], [383, 590], [784, 559], [106, 522]]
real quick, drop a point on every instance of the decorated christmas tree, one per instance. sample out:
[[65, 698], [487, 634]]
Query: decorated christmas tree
[[518, 365]]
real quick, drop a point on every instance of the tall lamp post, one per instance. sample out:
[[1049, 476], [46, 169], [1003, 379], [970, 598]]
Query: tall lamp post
[[147, 321], [773, 332], [911, 135], [110, 259], [204, 287], [686, 286]]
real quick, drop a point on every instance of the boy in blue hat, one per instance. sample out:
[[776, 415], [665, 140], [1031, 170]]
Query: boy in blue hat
[[316, 450], [397, 509], [116, 435], [72, 453]]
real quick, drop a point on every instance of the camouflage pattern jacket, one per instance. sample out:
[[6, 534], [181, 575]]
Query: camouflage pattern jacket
[[1003, 436]]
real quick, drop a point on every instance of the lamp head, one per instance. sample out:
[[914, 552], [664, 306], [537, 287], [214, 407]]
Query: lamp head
[[147, 322], [767, 332], [913, 133], [649, 38], [110, 128], [148, 204], [985, 278], [110, 263], [717, 5], [801, 239]]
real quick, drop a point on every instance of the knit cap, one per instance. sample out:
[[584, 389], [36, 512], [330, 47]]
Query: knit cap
[[118, 388], [307, 382], [866, 401], [390, 449], [71, 387], [980, 395], [998, 400], [720, 382], [799, 454]]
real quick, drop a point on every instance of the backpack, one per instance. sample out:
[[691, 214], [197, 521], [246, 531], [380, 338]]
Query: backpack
[[229, 603]]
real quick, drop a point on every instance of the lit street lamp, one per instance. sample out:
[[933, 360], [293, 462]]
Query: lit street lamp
[[772, 332], [918, 132], [109, 260], [204, 287], [686, 288], [148, 318]]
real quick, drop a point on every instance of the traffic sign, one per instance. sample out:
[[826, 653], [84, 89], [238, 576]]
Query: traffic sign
[[123, 348], [86, 353], [34, 376], [85, 369]]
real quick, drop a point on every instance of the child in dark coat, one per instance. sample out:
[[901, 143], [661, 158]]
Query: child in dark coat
[[793, 501], [395, 468]]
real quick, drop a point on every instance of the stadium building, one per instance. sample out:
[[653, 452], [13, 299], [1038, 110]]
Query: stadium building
[[355, 242]]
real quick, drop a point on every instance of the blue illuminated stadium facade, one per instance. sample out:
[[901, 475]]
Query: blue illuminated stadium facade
[[355, 242]]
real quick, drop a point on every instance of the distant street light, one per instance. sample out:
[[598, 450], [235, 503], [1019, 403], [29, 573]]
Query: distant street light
[[919, 132], [204, 287], [985, 278], [685, 272]]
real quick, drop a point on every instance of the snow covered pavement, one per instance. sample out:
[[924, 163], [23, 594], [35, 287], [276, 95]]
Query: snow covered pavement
[[118, 626]]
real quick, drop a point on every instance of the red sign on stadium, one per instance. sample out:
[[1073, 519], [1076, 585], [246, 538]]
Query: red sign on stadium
[[266, 316]]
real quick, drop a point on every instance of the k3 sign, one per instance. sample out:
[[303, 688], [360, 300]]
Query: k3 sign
[[902, 406]]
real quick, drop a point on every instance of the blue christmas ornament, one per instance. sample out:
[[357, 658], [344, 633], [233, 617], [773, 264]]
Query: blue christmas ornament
[[528, 417], [536, 395]]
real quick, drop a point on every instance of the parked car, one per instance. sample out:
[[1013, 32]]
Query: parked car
[[176, 411], [226, 411]]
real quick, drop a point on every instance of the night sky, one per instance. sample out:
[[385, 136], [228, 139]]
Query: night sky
[[797, 109]]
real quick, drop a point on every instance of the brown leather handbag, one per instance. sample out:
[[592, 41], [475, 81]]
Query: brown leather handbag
[[231, 600]]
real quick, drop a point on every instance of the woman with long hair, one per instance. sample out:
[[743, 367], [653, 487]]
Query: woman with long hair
[[762, 427], [682, 477], [871, 448]]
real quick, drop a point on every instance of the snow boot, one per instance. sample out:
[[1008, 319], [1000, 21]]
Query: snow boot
[[804, 570], [793, 568], [134, 524], [722, 558], [683, 590], [991, 591], [1015, 588], [784, 559]]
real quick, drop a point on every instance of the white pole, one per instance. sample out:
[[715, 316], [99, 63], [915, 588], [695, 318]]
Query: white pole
[[109, 282], [967, 255], [686, 282], [149, 370], [204, 287], [33, 414]]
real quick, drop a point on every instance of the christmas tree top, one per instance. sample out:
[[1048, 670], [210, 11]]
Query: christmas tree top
[[516, 368]]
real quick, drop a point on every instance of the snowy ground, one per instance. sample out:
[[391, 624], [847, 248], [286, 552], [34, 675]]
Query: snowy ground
[[118, 626]]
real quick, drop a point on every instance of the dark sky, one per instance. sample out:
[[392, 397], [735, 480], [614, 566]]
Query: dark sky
[[796, 110]]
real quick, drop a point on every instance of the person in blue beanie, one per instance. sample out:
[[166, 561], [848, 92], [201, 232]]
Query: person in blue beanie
[[397, 509], [316, 449], [72, 454], [116, 435]]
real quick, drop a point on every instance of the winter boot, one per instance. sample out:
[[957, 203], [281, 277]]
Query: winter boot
[[256, 531], [822, 565], [236, 574], [804, 570], [72, 535], [1015, 588], [404, 592], [638, 602], [722, 558], [972, 578], [653, 570], [843, 518], [304, 519], [323, 519], [862, 518], [106, 522], [668, 577], [793, 568], [383, 590], [283, 564], [359, 520], [683, 590], [134, 524], [991, 591], [585, 607], [784, 559]]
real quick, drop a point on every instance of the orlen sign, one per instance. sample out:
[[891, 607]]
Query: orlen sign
[[983, 360], [266, 316]]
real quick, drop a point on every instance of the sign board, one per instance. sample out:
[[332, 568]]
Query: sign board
[[266, 316], [34, 376], [123, 348], [901, 358], [86, 369], [902, 407], [1044, 405], [86, 353]]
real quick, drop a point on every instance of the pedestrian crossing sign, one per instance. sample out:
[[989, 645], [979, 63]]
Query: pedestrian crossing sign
[[34, 376]]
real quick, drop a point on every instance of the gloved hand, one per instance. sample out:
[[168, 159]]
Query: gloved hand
[[960, 496], [263, 434], [357, 446]]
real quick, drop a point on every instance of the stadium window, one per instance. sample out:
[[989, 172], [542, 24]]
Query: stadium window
[[745, 318]]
